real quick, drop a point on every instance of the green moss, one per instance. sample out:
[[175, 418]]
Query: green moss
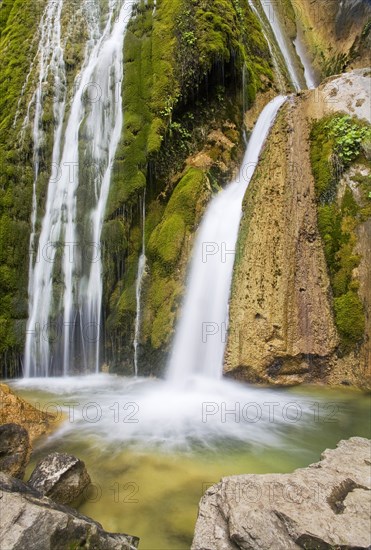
[[162, 324], [5, 9], [185, 195], [349, 316], [321, 153], [169, 55], [165, 246], [167, 240], [19, 20], [336, 143]]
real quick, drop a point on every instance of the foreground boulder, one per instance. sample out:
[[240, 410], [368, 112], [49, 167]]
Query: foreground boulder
[[15, 449], [61, 477], [324, 506], [29, 520], [15, 409]]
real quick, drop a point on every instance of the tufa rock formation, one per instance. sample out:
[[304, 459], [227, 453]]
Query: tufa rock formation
[[282, 321]]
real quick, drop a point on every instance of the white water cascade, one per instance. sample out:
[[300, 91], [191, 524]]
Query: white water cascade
[[138, 288], [50, 58], [85, 141], [286, 47], [273, 52], [310, 77], [195, 407], [201, 332]]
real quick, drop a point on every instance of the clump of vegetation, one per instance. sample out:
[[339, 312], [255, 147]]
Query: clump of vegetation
[[337, 142], [5, 9], [348, 135]]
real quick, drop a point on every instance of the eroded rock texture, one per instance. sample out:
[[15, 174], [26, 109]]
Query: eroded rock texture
[[323, 506], [29, 520]]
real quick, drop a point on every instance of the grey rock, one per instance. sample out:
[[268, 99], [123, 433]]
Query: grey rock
[[351, 12], [61, 477], [15, 449], [322, 507], [30, 520]]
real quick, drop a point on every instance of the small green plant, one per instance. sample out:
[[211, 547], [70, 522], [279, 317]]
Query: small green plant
[[189, 38], [348, 135]]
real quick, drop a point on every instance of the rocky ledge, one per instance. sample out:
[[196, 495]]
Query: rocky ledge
[[33, 521], [325, 506]]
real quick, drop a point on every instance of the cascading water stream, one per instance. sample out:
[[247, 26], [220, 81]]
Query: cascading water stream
[[50, 55], [201, 333], [138, 288], [292, 52], [200, 336], [84, 147], [272, 51], [309, 74], [286, 47]]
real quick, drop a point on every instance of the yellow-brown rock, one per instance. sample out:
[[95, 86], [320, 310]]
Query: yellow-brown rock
[[282, 328], [280, 281], [14, 409]]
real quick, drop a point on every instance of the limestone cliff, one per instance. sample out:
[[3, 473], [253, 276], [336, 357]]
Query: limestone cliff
[[337, 34], [282, 324]]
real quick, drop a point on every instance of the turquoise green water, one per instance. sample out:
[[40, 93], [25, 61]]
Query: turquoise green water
[[153, 491]]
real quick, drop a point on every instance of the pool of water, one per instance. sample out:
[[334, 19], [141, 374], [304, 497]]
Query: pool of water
[[152, 448]]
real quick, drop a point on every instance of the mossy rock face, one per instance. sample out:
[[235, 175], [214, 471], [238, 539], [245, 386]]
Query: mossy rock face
[[173, 54], [349, 317], [166, 241], [19, 20], [184, 65], [337, 143], [166, 248]]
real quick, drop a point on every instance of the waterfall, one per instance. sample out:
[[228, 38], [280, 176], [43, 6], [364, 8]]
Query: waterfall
[[64, 325], [286, 47], [309, 74], [202, 329], [138, 288], [272, 51], [50, 63]]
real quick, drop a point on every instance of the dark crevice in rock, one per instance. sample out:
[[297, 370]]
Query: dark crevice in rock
[[339, 494]]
